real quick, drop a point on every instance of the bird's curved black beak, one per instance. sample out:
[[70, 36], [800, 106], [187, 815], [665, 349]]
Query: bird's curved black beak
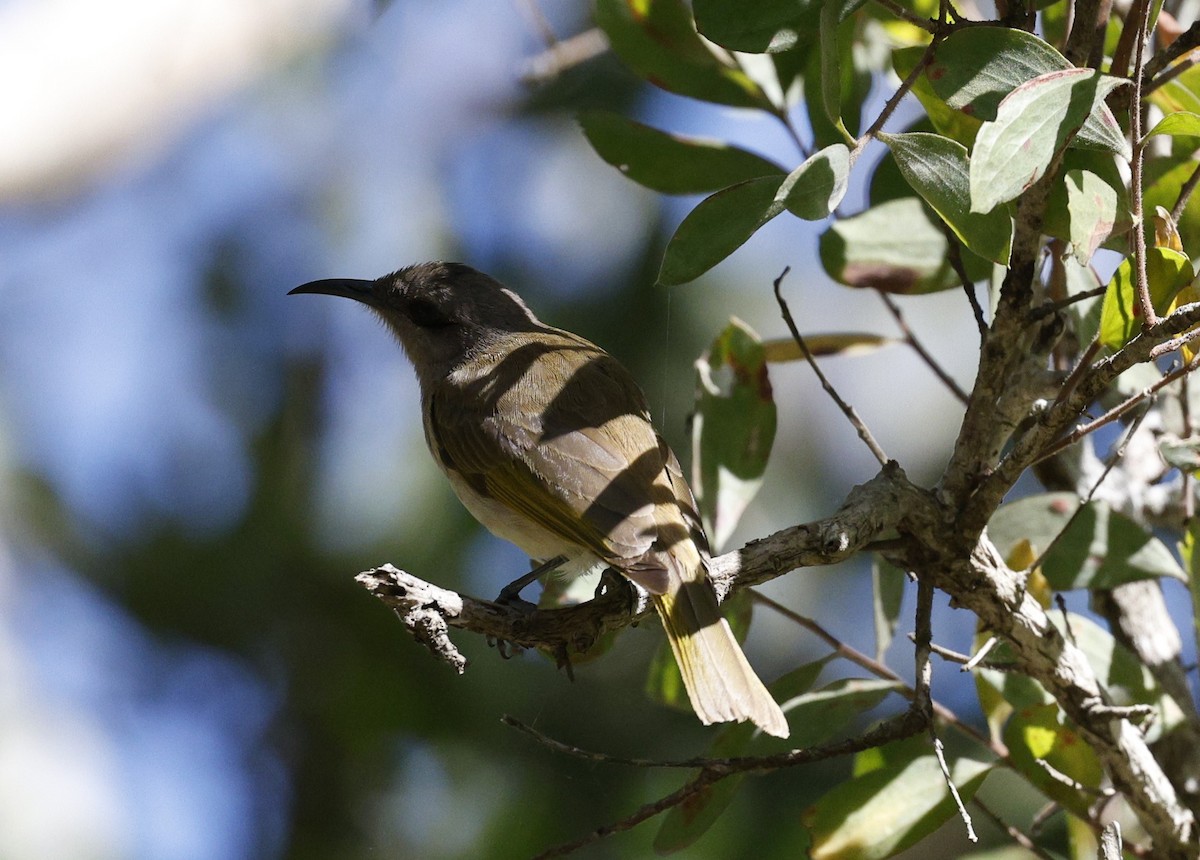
[[348, 288]]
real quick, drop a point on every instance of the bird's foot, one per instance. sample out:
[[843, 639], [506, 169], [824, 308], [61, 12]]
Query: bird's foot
[[510, 595]]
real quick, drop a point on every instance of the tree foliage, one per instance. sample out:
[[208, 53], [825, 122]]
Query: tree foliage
[[1050, 162]]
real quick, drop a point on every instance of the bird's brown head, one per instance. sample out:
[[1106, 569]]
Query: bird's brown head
[[442, 313]]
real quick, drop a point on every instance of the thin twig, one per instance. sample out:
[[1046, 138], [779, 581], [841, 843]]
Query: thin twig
[[1110, 841], [1047, 308], [1149, 315], [1014, 833], [1171, 73], [1185, 406], [1087, 32], [563, 55], [947, 654], [981, 653], [893, 100], [1068, 631], [598, 757], [911, 340], [847, 409], [781, 113], [926, 24], [536, 17], [1117, 411], [1042, 816], [962, 810], [904, 725], [967, 662], [923, 637], [1082, 366], [954, 255], [1174, 343], [879, 670], [1188, 40], [923, 691], [1060, 777], [1185, 194], [1110, 464], [645, 812], [1127, 43]]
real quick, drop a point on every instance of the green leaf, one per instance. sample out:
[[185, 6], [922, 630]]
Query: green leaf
[[938, 169], [670, 163], [1092, 203], [893, 247], [835, 70], [817, 717], [842, 343], [954, 124], [1033, 124], [814, 189], [664, 684], [1165, 179], [718, 226], [831, 76], [1181, 124], [1191, 558], [766, 26], [1101, 548], [722, 223], [1002, 690], [1167, 272], [1060, 220], [1056, 21], [1038, 733], [1182, 454], [887, 593], [1125, 678], [887, 182], [829, 712], [1181, 93], [733, 428], [658, 41], [888, 808], [976, 68]]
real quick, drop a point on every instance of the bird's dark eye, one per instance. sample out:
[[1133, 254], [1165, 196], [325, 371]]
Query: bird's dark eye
[[426, 314]]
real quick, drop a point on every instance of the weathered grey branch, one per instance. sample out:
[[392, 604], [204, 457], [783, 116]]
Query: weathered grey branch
[[429, 611], [986, 586], [1065, 410]]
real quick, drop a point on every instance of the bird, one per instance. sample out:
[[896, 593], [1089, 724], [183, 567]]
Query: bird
[[547, 441]]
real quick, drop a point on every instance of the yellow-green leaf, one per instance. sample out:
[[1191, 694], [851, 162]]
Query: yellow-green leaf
[[1167, 272], [733, 428]]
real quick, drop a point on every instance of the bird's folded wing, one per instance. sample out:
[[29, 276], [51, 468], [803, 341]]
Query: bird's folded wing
[[572, 449]]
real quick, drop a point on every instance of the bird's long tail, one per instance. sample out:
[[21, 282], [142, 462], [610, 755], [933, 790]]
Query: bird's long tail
[[719, 681]]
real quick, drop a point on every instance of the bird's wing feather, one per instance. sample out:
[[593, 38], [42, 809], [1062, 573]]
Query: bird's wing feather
[[567, 444]]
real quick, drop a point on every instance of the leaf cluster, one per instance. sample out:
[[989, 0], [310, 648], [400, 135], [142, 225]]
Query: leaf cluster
[[1064, 188]]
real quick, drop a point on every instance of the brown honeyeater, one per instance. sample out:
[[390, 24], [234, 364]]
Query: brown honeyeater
[[547, 441]]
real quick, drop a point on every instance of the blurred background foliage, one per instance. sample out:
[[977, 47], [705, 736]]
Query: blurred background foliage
[[192, 467]]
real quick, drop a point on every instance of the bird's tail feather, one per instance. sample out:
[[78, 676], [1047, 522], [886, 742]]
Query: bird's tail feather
[[719, 680]]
